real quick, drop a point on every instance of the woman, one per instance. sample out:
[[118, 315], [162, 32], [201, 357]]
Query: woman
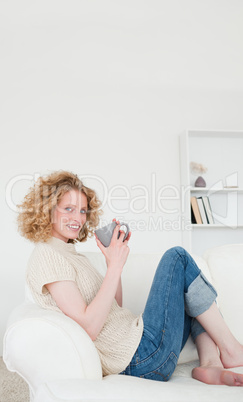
[[59, 211]]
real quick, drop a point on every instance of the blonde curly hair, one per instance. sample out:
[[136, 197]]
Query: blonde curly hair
[[35, 213]]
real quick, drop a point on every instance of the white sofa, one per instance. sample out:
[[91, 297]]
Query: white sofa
[[59, 362]]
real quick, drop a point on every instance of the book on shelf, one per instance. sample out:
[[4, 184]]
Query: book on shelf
[[195, 213], [208, 209], [201, 211]]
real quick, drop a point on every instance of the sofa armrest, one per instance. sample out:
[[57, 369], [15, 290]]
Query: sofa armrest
[[43, 345]]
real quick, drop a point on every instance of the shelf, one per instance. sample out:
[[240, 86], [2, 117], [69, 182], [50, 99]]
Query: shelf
[[221, 152]]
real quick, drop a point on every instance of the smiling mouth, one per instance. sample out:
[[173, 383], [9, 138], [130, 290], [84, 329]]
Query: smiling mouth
[[73, 227]]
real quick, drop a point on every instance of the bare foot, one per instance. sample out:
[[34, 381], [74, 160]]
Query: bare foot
[[217, 375], [233, 358]]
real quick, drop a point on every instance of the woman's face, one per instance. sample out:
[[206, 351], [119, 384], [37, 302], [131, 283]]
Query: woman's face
[[69, 215]]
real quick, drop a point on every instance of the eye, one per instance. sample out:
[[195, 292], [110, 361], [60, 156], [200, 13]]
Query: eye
[[69, 209], [83, 211]]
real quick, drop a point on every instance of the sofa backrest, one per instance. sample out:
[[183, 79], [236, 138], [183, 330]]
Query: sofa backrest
[[226, 268], [138, 275], [223, 266]]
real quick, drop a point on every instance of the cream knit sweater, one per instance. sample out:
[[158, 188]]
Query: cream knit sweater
[[56, 260]]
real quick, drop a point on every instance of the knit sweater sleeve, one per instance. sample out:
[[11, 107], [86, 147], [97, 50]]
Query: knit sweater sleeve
[[47, 265]]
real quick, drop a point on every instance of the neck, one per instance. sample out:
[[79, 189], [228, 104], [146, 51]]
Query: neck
[[61, 244]]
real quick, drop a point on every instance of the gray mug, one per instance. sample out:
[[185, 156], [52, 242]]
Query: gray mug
[[105, 233]]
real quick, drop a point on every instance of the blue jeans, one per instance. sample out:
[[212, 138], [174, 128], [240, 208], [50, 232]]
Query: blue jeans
[[179, 292]]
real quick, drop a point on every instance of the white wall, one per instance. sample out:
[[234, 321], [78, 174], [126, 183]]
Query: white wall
[[104, 88]]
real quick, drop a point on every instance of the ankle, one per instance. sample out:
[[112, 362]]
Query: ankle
[[230, 350], [232, 357], [211, 363]]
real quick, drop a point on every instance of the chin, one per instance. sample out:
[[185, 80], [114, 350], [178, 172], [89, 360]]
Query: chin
[[72, 237]]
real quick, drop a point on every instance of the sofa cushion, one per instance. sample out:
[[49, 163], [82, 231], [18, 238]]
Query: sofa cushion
[[181, 387]]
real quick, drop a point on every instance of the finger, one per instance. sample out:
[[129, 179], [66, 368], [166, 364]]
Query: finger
[[115, 234], [128, 237], [115, 220], [122, 235]]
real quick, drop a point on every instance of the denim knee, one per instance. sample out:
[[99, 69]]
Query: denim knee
[[185, 262], [175, 251]]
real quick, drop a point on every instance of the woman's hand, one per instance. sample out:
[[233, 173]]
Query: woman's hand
[[117, 252]]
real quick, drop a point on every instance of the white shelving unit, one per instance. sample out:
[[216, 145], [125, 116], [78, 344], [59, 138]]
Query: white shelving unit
[[222, 153]]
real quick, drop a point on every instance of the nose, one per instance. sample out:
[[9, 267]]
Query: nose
[[79, 217]]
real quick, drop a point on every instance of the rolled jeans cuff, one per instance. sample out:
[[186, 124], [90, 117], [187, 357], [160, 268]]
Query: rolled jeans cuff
[[196, 329], [199, 296]]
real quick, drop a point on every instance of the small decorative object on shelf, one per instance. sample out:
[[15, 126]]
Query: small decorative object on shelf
[[198, 168], [200, 182]]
